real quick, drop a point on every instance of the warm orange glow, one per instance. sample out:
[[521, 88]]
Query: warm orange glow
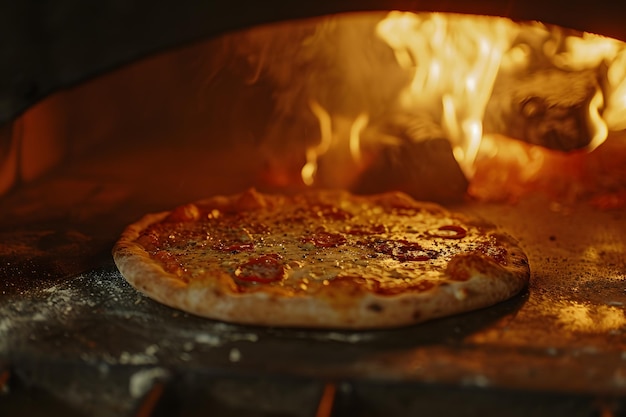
[[580, 317], [455, 60], [597, 122], [369, 102], [355, 136], [586, 51], [314, 152], [615, 113], [507, 170], [332, 134]]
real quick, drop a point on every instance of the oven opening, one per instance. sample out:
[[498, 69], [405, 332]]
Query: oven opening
[[519, 122], [441, 106]]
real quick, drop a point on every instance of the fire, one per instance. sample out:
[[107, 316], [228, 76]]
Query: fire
[[373, 95], [314, 152], [601, 130], [357, 127], [330, 134], [455, 60], [615, 113], [459, 63]]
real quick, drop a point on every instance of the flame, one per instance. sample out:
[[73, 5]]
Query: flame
[[457, 59], [448, 71], [615, 113], [330, 134], [586, 51], [357, 127], [312, 153], [597, 122]]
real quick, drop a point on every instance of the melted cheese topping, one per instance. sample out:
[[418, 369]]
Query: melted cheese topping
[[301, 245]]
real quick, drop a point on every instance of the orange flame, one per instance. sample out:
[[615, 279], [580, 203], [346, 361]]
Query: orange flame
[[357, 127], [451, 70], [455, 60], [329, 138], [312, 153], [615, 112]]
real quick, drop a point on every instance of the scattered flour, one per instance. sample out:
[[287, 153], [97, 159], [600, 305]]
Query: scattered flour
[[234, 355], [141, 381], [127, 358], [356, 337], [51, 305], [219, 339], [103, 297], [100, 297]]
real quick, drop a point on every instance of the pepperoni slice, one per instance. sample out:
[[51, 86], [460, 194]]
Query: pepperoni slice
[[262, 269], [326, 239], [403, 250], [459, 232], [234, 240]]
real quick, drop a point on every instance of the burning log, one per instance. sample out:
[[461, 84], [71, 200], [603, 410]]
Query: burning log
[[413, 155], [549, 108]]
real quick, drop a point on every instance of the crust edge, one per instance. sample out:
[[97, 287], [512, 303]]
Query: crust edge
[[257, 308]]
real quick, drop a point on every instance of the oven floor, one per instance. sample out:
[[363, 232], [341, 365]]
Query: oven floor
[[72, 328]]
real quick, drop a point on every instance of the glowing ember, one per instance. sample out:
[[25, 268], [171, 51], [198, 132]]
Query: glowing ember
[[510, 169]]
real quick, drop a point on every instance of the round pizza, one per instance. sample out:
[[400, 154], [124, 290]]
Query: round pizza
[[322, 259]]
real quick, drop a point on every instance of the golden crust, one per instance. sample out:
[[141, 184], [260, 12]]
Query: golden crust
[[471, 280]]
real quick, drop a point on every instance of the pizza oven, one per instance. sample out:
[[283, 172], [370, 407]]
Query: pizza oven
[[113, 110]]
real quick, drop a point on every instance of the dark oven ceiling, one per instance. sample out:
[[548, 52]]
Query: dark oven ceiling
[[49, 45]]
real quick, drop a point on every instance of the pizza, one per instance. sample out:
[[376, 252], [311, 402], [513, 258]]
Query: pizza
[[320, 259]]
